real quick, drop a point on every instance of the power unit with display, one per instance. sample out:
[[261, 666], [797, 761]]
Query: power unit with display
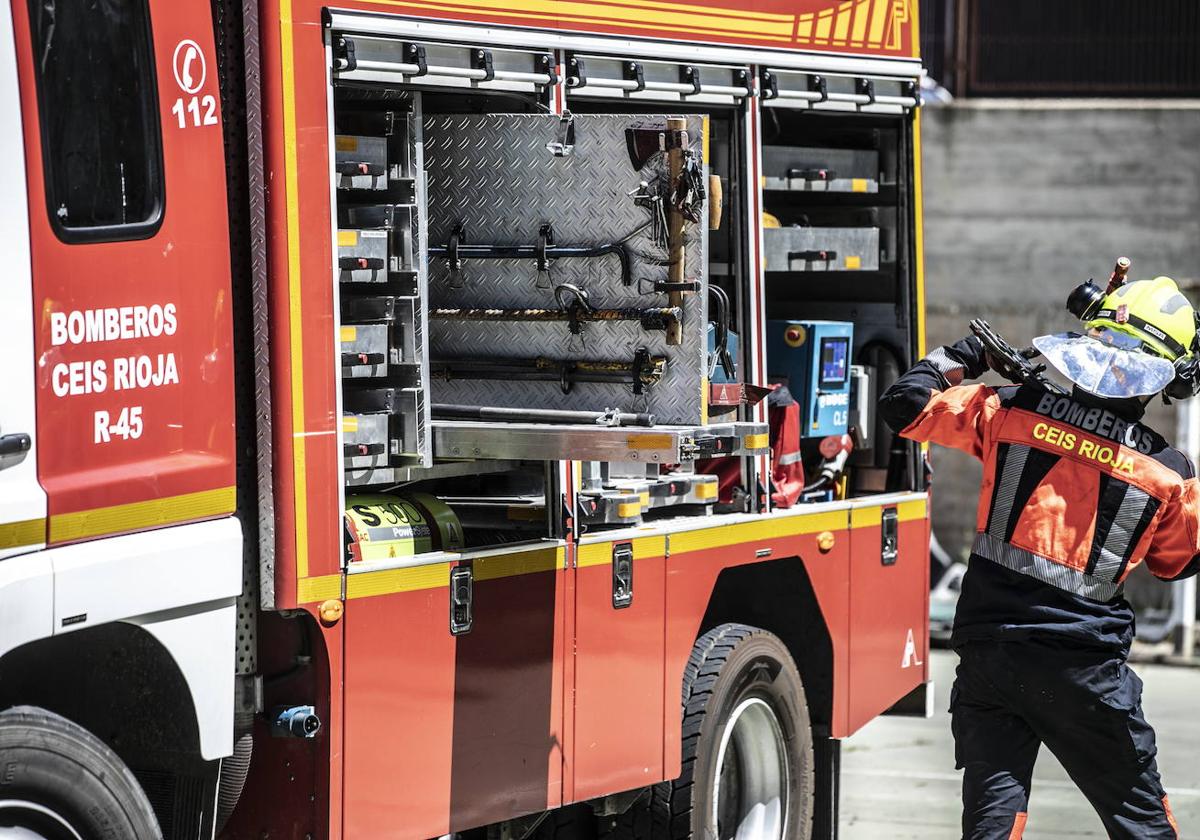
[[814, 358]]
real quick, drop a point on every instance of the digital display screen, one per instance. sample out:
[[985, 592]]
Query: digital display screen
[[835, 361]]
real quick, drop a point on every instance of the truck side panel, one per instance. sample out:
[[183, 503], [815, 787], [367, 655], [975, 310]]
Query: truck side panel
[[482, 711], [889, 610], [133, 331], [619, 693]]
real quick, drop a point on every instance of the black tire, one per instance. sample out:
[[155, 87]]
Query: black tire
[[67, 775], [571, 822], [734, 666]]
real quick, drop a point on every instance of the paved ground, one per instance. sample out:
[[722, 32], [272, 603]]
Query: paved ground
[[899, 781]]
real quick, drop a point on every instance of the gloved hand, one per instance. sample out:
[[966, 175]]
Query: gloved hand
[[970, 352]]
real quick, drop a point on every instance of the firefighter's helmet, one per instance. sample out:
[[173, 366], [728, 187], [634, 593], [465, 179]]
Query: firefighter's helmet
[[1154, 312], [1140, 340]]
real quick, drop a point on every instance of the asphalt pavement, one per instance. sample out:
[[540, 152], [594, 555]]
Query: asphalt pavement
[[899, 781]]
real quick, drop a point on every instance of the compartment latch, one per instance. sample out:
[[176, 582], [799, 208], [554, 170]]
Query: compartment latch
[[622, 575], [889, 541], [462, 597], [344, 58]]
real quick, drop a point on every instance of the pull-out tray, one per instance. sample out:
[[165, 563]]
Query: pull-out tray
[[548, 442]]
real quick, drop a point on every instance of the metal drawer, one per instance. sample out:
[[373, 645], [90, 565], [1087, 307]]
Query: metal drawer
[[377, 335], [367, 440], [821, 249], [820, 170], [374, 243], [361, 162], [366, 350], [363, 256], [399, 405]]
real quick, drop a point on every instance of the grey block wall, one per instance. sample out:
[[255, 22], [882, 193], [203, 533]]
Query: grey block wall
[[1023, 201]]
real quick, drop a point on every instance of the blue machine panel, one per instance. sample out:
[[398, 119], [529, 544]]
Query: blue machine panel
[[814, 358], [731, 343]]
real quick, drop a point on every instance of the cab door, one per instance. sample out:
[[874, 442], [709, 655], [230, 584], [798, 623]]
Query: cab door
[[22, 502], [128, 226]]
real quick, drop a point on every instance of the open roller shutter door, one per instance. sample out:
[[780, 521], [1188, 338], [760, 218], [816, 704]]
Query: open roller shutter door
[[358, 57], [837, 92], [634, 79]]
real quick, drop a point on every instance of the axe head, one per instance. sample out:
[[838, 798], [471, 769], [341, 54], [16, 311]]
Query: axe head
[[643, 144]]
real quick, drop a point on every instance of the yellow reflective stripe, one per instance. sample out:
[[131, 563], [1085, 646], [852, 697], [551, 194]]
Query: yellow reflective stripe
[[25, 532], [919, 222], [865, 517], [348, 334], [600, 553], [437, 575], [313, 589], [295, 314], [520, 563], [625, 510], [649, 441], [135, 516], [347, 238], [706, 489], [389, 581], [760, 530], [759, 441]]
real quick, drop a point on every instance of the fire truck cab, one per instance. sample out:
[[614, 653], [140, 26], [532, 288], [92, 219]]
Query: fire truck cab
[[438, 417]]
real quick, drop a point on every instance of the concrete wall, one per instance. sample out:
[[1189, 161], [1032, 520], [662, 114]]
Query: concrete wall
[[1023, 201]]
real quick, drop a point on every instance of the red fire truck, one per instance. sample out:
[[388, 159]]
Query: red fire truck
[[389, 443]]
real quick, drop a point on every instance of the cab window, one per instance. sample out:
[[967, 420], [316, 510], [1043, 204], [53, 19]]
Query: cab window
[[97, 104]]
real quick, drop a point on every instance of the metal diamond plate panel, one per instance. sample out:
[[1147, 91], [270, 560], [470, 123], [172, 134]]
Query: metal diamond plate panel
[[493, 174]]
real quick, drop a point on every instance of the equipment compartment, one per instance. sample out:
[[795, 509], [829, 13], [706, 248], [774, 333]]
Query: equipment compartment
[[838, 254], [820, 170], [380, 277], [807, 248], [597, 298]]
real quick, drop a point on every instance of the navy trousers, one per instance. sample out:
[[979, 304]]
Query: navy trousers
[[1009, 698]]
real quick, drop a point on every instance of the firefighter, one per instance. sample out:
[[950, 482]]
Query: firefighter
[[1077, 492]]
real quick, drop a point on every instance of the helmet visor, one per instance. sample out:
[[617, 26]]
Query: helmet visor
[[1103, 368]]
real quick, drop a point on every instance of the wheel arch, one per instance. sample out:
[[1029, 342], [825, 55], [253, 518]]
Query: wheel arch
[[778, 596], [115, 680]]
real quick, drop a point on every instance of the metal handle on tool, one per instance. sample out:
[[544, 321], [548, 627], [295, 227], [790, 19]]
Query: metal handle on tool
[[488, 413]]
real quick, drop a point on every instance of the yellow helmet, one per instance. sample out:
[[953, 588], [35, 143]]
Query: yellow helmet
[[1154, 312]]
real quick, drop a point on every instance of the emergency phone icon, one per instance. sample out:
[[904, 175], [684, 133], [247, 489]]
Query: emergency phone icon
[[190, 70]]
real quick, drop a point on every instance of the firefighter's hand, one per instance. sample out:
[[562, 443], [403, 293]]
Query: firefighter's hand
[[971, 353]]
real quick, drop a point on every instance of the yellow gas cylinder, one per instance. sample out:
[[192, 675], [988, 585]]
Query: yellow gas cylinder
[[386, 527]]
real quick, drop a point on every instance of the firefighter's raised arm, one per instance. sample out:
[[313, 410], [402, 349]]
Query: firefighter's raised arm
[[929, 403], [1174, 553]]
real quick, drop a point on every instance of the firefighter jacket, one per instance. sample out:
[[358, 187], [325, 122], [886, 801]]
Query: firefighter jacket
[[1076, 494]]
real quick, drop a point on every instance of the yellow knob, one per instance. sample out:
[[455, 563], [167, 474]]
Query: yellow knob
[[331, 612], [825, 541]]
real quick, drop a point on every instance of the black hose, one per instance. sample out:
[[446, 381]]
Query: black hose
[[235, 768]]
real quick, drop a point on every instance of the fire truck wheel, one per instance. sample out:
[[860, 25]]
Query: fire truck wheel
[[747, 744], [60, 782]]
